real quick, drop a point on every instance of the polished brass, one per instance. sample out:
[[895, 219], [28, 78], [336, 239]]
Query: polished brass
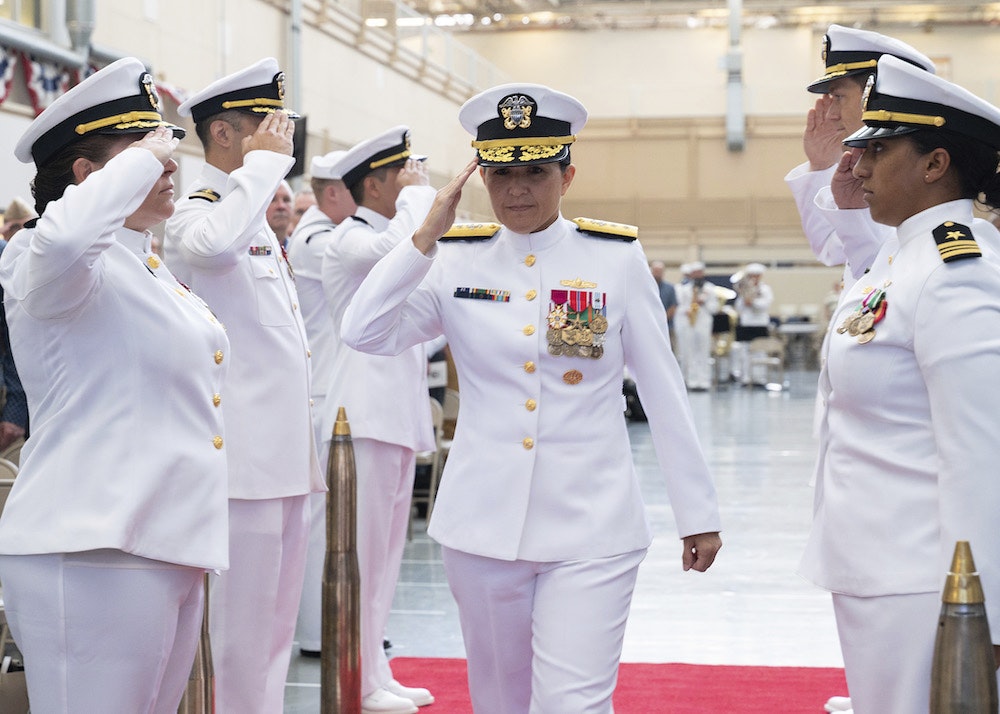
[[963, 676], [340, 664], [199, 697]]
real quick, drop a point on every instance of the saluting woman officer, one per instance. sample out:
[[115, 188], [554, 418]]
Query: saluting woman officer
[[121, 502], [910, 437], [540, 514]]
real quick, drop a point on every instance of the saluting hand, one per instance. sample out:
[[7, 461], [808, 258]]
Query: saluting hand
[[160, 142], [700, 551], [845, 186], [413, 173], [823, 139], [442, 213], [274, 134]]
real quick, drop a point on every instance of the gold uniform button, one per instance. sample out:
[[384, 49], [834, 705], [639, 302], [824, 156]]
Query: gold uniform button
[[218, 357], [295, 306], [528, 443], [153, 262], [529, 330], [530, 295], [529, 367], [309, 353], [529, 261], [217, 441], [216, 399], [531, 405]]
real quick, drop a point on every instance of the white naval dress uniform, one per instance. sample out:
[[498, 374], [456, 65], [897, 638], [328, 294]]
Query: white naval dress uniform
[[121, 500], [227, 253], [694, 341], [856, 249], [305, 253], [909, 444], [388, 407], [752, 314], [539, 483]]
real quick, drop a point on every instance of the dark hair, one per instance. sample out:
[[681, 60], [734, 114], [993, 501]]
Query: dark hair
[[233, 117], [358, 189], [974, 161], [56, 174]]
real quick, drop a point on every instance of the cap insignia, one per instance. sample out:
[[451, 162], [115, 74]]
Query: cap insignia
[[869, 86], [146, 81], [825, 51], [955, 242], [279, 81], [516, 111]]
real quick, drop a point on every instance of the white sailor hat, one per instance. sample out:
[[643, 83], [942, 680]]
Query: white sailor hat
[[118, 99], [390, 148], [696, 266], [516, 124], [259, 89], [847, 51], [327, 166], [901, 99], [754, 269]]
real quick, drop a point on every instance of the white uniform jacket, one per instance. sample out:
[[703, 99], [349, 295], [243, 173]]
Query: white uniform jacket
[[385, 397], [910, 439], [219, 242], [305, 253], [756, 313], [709, 306], [855, 249], [118, 363], [540, 467]]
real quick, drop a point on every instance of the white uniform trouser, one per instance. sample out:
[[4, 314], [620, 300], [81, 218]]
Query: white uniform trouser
[[309, 628], [385, 490], [888, 648], [252, 606], [544, 638], [695, 343], [103, 630]]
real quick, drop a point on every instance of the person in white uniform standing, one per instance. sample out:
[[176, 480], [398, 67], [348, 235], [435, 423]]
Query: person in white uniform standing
[[386, 398], [909, 438], [696, 304], [120, 505], [850, 239], [539, 515], [305, 253], [753, 305], [220, 243]]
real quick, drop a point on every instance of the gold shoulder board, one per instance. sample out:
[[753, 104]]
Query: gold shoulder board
[[955, 242], [471, 231], [206, 194], [607, 229]]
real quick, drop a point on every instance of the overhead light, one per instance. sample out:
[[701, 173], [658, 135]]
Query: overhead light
[[376, 22], [411, 21]]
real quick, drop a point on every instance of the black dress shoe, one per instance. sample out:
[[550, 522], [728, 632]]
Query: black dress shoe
[[312, 654], [386, 645]]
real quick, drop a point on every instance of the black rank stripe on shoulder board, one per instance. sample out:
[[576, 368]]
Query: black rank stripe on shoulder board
[[955, 242], [471, 231], [607, 229], [206, 194]]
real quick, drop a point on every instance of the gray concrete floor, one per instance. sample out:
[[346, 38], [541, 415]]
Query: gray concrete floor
[[750, 609]]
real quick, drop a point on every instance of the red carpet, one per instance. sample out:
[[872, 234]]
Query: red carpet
[[661, 688]]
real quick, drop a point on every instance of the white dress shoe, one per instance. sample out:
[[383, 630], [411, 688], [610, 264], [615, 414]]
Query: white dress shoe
[[841, 705], [418, 695], [382, 701]]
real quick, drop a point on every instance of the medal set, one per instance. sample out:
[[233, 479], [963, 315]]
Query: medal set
[[577, 323], [861, 323]]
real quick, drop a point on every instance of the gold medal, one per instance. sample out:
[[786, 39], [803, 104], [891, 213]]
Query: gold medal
[[852, 326], [865, 322], [596, 352], [584, 350], [866, 337], [553, 336], [584, 337], [599, 324], [573, 376], [569, 336], [555, 350]]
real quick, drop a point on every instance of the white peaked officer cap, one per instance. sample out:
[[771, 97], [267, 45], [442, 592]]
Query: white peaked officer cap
[[390, 148], [259, 89], [517, 124], [847, 51], [118, 99], [695, 266], [327, 166], [901, 99], [754, 269]]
